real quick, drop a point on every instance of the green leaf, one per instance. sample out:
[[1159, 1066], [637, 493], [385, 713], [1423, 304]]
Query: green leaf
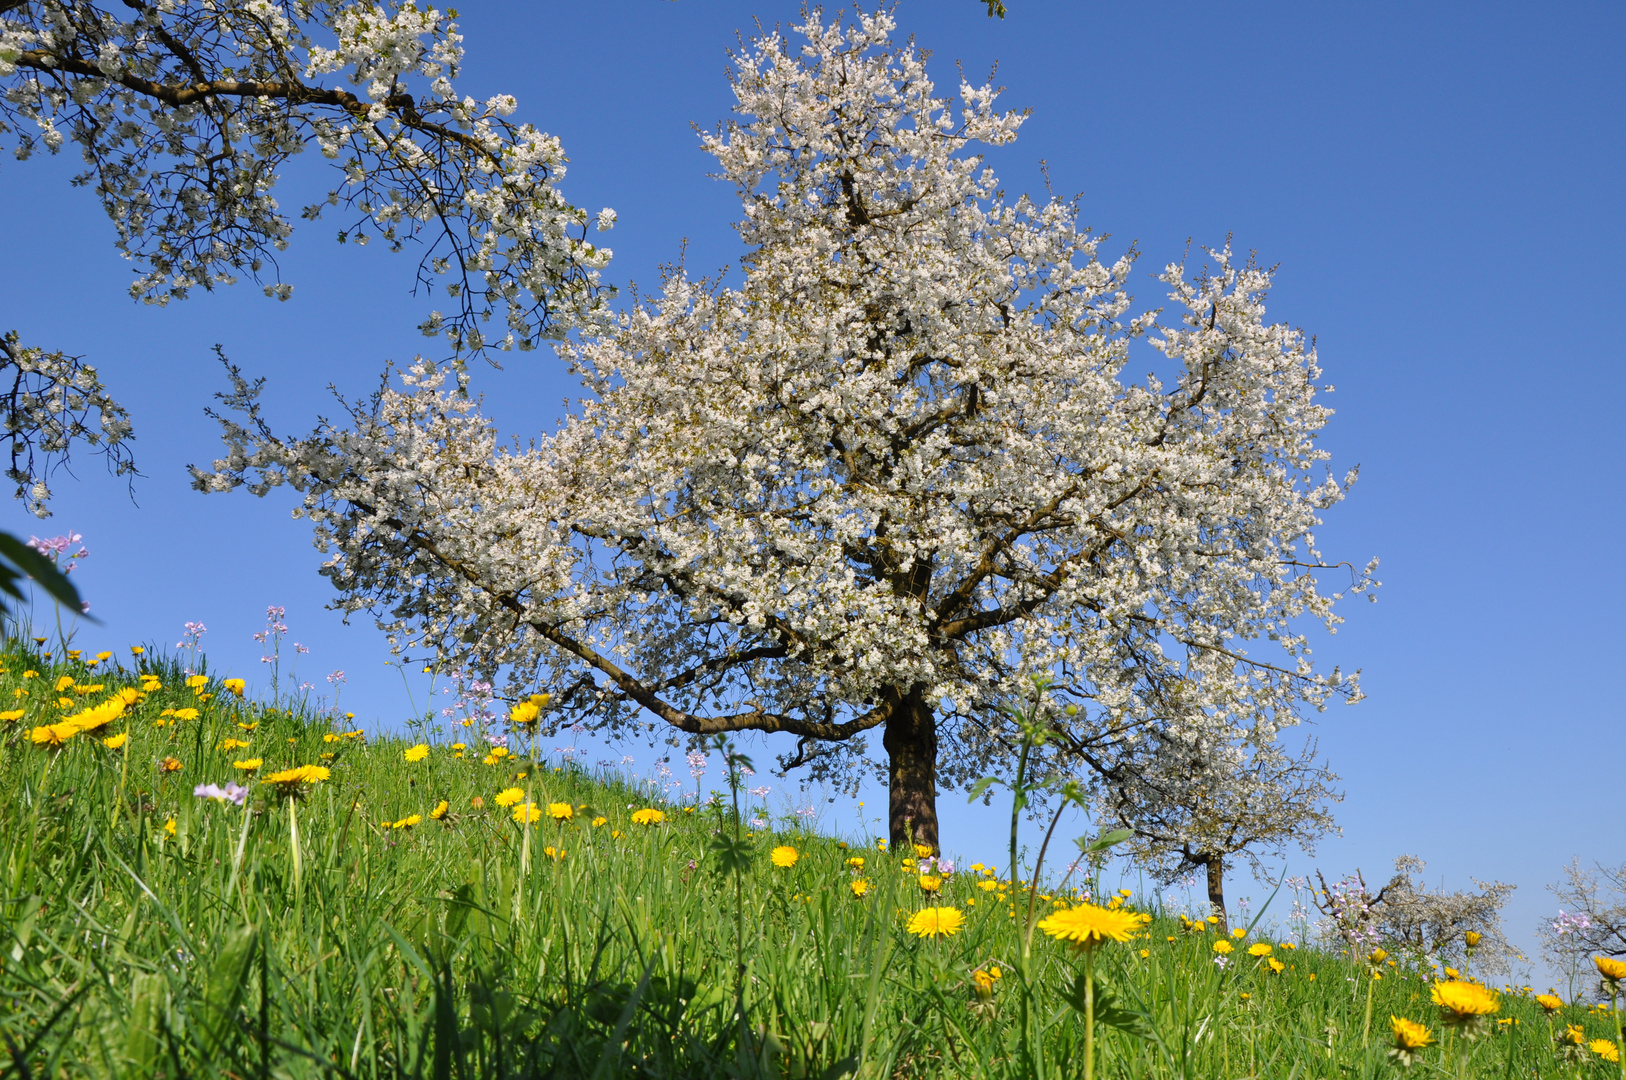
[[26, 561], [981, 786], [731, 855], [224, 991], [1109, 1010], [1102, 842]]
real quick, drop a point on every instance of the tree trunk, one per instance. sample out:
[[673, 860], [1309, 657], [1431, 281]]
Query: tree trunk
[[1216, 888], [910, 739]]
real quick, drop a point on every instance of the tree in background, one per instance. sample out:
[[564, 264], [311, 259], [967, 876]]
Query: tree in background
[[1194, 806], [876, 488], [1591, 919]]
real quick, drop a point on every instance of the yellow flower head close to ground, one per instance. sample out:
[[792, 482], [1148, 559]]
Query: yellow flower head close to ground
[[856, 862], [858, 887], [526, 814], [197, 682], [170, 764], [233, 744], [599, 821], [235, 686], [1276, 965], [440, 811], [416, 753], [561, 811], [116, 741], [1612, 970], [248, 764], [169, 826], [1088, 926], [293, 780], [509, 796], [929, 883], [648, 816], [784, 856], [1605, 1049], [1410, 1037], [936, 922], [923, 850], [1550, 1002], [554, 853], [1239, 933], [408, 821], [1222, 946], [1259, 949]]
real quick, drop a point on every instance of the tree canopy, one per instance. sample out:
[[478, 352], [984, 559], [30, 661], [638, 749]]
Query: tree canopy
[[876, 487]]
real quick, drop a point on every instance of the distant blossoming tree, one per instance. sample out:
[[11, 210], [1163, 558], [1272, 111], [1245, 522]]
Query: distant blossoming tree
[[1197, 806], [878, 486], [184, 111]]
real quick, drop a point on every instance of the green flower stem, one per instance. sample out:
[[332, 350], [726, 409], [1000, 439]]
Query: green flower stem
[[1089, 1014]]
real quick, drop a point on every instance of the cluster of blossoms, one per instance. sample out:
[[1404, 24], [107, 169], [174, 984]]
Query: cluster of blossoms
[[877, 487], [52, 401], [185, 111]]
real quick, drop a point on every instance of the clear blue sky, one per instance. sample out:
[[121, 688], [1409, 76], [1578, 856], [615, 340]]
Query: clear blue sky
[[1440, 184]]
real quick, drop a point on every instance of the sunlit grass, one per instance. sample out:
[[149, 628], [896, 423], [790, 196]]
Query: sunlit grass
[[395, 908]]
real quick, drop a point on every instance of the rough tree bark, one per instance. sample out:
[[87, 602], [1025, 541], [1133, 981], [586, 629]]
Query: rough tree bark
[[910, 739], [1216, 888]]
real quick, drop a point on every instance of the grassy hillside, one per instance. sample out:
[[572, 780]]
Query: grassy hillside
[[391, 912]]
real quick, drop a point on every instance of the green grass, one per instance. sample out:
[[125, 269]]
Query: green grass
[[436, 951]]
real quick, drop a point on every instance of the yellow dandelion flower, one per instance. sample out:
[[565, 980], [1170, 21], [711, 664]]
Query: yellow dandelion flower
[[936, 922], [929, 883], [13, 714], [784, 856], [248, 764], [561, 811], [987, 886], [859, 887], [440, 811], [1088, 925], [116, 741], [235, 686], [1259, 949], [292, 780], [1410, 1037], [650, 816], [856, 862], [923, 850], [554, 853], [1605, 1049], [1612, 970], [103, 657], [983, 984], [527, 814], [599, 821], [169, 826], [197, 682], [136, 650], [509, 796], [408, 821], [499, 752], [416, 753], [233, 744], [1222, 946], [1550, 1002], [1276, 966], [53, 735], [170, 764], [524, 714], [184, 714], [1464, 1005], [1239, 933], [63, 683]]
